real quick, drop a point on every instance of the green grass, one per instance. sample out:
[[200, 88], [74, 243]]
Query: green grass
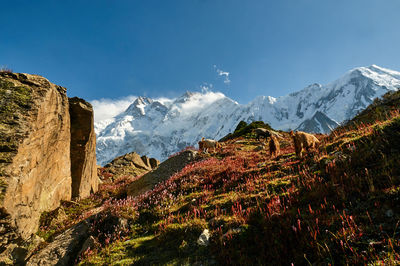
[[14, 99], [245, 130]]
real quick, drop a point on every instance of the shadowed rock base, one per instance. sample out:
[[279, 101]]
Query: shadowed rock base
[[83, 149]]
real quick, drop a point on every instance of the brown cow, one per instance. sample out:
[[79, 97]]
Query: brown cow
[[206, 144], [274, 147], [303, 140]]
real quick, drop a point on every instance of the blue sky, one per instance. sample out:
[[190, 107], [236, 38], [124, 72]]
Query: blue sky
[[111, 49]]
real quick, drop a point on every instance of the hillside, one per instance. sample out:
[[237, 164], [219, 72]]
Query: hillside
[[158, 128], [339, 205]]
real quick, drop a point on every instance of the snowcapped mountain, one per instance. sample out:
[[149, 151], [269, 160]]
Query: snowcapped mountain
[[158, 128]]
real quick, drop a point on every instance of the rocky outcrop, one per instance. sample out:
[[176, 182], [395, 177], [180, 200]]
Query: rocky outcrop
[[154, 163], [164, 171], [64, 249], [131, 164], [35, 156], [34, 151], [83, 149]]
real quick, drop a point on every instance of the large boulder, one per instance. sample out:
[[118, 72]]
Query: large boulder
[[36, 147], [64, 249], [83, 149], [154, 163], [35, 172], [164, 171], [130, 164]]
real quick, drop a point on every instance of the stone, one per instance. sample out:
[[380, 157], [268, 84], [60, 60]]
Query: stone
[[37, 140], [130, 164], [132, 159], [154, 163], [232, 232], [83, 149], [123, 223], [64, 249], [89, 243], [146, 161], [35, 172], [164, 171], [13, 255], [204, 238], [59, 216]]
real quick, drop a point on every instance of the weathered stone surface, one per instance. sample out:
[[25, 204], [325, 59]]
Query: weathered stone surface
[[203, 239], [146, 161], [35, 170], [132, 159], [83, 149], [154, 163], [131, 164], [164, 171], [90, 243], [16, 253], [64, 249]]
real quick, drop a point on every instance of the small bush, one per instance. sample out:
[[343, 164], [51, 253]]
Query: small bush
[[5, 69], [244, 129]]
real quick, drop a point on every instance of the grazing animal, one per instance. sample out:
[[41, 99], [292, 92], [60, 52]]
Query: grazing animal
[[262, 132], [274, 147], [206, 144], [302, 141]]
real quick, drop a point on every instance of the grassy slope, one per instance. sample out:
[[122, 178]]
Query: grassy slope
[[244, 129], [340, 205]]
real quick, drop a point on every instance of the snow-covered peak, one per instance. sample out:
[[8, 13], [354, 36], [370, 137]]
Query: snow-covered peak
[[158, 128], [382, 76], [186, 96], [271, 99], [138, 106], [385, 71], [379, 75]]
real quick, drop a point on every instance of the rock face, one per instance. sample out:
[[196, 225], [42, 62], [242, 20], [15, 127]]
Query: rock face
[[129, 164], [35, 163], [64, 248], [36, 138], [164, 171], [83, 149]]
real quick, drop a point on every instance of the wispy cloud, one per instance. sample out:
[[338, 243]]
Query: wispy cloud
[[199, 101], [223, 74], [107, 109]]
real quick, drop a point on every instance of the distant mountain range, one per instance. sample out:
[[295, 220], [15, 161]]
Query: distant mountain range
[[159, 128]]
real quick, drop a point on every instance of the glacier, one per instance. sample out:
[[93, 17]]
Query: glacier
[[159, 128]]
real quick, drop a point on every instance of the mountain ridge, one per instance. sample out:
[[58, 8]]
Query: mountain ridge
[[159, 128]]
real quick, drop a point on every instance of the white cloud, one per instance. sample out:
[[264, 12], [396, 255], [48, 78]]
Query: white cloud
[[164, 100], [200, 101], [223, 74], [107, 109]]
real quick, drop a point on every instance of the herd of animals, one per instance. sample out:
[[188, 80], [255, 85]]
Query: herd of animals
[[302, 141]]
